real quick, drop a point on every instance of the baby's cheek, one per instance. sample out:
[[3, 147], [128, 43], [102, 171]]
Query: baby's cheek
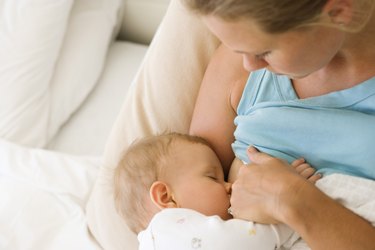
[[217, 204], [223, 206]]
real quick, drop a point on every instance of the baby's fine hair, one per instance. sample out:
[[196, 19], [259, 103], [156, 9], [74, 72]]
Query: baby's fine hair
[[278, 16], [140, 166]]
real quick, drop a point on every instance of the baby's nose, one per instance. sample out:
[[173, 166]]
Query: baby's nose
[[228, 187]]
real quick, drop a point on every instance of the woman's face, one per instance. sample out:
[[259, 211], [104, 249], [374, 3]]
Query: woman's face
[[294, 53]]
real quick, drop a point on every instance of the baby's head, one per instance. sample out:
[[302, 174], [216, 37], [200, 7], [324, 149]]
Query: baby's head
[[169, 171]]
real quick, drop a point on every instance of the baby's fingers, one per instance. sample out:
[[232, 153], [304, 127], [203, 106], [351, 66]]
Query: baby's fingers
[[308, 172], [305, 170], [298, 162], [314, 178]]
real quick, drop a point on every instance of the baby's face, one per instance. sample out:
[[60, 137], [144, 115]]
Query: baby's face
[[198, 180]]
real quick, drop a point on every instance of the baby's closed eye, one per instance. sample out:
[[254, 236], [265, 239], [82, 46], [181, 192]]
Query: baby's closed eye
[[212, 176]]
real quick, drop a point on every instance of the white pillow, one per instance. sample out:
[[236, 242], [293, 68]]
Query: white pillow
[[161, 97], [31, 34], [90, 30]]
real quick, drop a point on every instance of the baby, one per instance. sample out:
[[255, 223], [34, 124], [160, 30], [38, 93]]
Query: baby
[[170, 189]]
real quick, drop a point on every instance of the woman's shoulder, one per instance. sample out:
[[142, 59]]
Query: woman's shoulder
[[237, 89]]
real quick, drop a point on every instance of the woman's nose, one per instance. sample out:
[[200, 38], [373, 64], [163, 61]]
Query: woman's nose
[[252, 63]]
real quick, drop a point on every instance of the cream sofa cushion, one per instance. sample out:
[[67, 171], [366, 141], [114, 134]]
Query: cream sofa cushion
[[142, 30], [161, 98]]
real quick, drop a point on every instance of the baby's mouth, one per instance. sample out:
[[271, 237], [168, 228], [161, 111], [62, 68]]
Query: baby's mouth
[[230, 211]]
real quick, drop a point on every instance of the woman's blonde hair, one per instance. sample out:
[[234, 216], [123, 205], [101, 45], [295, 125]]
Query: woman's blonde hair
[[278, 16], [140, 166]]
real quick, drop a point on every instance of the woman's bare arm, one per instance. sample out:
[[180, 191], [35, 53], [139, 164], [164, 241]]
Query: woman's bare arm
[[325, 224], [217, 100]]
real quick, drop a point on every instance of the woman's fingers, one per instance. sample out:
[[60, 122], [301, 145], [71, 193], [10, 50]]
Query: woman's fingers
[[258, 157]]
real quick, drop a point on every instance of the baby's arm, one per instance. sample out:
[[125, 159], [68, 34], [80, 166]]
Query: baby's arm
[[186, 229]]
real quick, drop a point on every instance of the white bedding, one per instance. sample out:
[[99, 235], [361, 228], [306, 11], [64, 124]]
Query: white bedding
[[43, 195]]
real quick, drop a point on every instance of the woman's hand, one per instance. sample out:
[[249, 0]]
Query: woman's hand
[[270, 191], [264, 187]]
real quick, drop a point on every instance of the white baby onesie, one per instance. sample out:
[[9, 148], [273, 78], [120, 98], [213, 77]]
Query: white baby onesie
[[183, 229]]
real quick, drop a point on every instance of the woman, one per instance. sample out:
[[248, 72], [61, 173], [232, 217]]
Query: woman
[[323, 47]]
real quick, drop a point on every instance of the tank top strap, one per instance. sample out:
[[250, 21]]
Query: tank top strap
[[264, 86]]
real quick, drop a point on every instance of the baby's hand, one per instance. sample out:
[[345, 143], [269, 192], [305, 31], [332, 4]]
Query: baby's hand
[[305, 170]]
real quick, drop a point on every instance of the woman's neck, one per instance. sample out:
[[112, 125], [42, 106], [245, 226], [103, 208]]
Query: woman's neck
[[359, 47], [352, 65]]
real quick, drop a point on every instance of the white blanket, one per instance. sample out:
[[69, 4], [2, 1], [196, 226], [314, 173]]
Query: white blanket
[[42, 199], [355, 193]]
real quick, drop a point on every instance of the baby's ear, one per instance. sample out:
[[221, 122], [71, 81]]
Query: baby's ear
[[161, 195]]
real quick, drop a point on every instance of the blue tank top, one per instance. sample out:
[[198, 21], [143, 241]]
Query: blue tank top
[[334, 132]]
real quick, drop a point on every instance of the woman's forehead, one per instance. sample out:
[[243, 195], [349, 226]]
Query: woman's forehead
[[240, 33]]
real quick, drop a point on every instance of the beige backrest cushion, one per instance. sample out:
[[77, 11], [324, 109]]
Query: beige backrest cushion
[[161, 98], [141, 18]]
